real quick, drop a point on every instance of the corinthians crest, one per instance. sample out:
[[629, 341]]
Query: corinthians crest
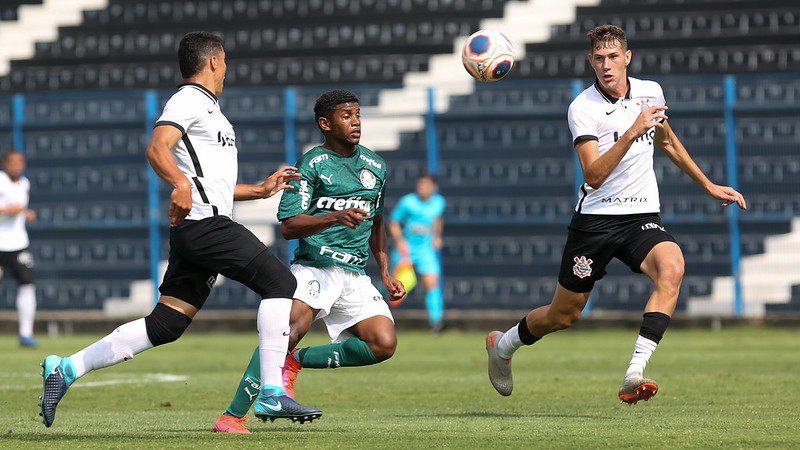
[[582, 267]]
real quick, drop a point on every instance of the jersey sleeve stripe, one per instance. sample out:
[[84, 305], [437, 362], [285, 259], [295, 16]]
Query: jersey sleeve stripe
[[198, 170], [170, 123], [584, 137]]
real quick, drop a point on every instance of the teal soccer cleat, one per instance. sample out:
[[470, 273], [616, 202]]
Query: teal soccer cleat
[[58, 374], [284, 407]]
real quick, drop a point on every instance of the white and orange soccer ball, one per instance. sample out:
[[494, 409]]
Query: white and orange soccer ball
[[487, 55]]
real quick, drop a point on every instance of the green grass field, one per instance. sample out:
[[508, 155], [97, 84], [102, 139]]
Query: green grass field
[[735, 388]]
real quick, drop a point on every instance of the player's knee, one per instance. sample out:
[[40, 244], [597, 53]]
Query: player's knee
[[670, 278], [383, 346], [165, 325]]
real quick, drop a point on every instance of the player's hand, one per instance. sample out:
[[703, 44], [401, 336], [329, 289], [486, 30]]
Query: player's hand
[[395, 289], [13, 210], [437, 243], [180, 204], [278, 180], [30, 215], [653, 116], [728, 195], [351, 217]]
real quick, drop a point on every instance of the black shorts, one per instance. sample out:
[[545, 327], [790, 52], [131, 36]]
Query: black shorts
[[202, 249], [593, 240], [19, 263]]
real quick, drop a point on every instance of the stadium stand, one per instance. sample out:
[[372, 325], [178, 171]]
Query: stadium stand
[[505, 162]]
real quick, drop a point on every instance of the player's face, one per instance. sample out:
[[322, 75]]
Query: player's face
[[219, 73], [425, 188], [610, 64], [14, 165], [344, 125]]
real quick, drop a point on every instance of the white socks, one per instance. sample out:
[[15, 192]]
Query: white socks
[[642, 352], [273, 339], [509, 343], [121, 345], [26, 309]]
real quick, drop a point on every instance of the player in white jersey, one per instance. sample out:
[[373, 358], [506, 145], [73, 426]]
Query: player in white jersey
[[336, 212], [14, 255], [193, 148], [615, 124]]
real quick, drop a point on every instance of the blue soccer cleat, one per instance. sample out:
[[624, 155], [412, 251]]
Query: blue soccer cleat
[[58, 374], [28, 341], [284, 407]]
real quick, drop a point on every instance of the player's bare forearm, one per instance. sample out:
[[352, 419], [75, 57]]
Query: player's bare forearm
[[275, 183], [378, 245], [303, 225]]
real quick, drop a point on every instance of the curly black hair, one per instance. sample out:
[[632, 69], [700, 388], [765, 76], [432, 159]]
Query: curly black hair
[[327, 102]]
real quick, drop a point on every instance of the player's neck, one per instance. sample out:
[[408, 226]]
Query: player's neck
[[342, 149]]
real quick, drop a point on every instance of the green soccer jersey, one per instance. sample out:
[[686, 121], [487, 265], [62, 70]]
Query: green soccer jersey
[[332, 182]]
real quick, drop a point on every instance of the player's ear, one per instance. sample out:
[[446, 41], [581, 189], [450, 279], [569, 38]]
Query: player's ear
[[324, 123], [627, 57], [213, 62]]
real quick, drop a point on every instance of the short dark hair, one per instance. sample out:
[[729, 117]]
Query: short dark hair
[[195, 48], [11, 152], [327, 103], [607, 36]]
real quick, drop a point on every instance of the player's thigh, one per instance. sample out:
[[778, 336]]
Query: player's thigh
[[359, 301], [425, 261], [664, 262], [317, 287]]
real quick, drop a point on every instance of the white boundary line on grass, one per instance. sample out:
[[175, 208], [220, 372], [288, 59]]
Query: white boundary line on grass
[[146, 378]]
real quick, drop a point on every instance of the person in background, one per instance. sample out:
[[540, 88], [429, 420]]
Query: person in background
[[14, 255], [416, 224]]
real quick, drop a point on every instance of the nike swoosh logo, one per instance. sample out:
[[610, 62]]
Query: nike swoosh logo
[[608, 113], [275, 408]]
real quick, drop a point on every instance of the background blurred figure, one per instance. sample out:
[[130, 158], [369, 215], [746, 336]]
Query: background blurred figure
[[416, 225], [14, 254]]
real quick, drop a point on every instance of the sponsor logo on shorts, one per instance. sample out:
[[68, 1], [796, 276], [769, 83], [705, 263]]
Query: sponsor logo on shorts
[[313, 288], [582, 267], [210, 282], [652, 226], [25, 258]]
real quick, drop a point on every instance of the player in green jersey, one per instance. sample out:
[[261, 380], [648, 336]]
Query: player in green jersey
[[336, 212]]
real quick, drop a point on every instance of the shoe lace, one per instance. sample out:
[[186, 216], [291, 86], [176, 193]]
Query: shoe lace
[[239, 419]]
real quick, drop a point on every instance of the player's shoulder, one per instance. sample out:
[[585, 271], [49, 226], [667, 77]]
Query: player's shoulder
[[644, 88], [191, 95], [371, 158]]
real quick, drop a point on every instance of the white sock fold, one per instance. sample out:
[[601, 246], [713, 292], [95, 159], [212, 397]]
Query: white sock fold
[[26, 308], [509, 343], [642, 352], [122, 344], [273, 338]]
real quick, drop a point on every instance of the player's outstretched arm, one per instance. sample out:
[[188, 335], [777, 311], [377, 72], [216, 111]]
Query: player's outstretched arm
[[668, 142], [275, 183]]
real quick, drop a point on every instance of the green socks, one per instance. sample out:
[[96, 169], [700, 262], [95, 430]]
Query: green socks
[[248, 389], [352, 352]]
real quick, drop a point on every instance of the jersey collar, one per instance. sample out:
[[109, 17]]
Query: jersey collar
[[202, 88], [610, 98]]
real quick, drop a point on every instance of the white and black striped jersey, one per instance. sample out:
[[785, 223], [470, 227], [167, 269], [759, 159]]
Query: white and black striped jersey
[[631, 188], [13, 235], [206, 153]]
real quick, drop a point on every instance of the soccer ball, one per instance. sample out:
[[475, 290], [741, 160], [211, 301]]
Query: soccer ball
[[487, 55]]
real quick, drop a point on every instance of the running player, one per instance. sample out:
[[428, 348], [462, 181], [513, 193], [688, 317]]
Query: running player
[[416, 225], [615, 124], [193, 148], [336, 212], [14, 254]]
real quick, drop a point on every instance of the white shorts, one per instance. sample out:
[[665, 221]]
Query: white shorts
[[343, 297]]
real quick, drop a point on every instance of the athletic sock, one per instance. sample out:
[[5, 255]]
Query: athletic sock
[[26, 308], [248, 389], [654, 324], [514, 338], [273, 339], [121, 345], [352, 352], [435, 304]]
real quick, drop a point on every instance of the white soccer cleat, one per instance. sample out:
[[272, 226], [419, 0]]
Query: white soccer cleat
[[635, 387], [499, 368]]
